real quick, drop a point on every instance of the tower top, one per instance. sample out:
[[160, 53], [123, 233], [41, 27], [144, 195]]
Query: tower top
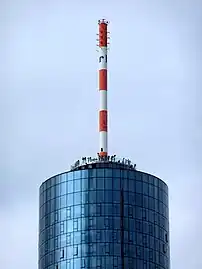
[[103, 21], [103, 155]]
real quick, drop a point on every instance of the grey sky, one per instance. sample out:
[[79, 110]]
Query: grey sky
[[49, 102]]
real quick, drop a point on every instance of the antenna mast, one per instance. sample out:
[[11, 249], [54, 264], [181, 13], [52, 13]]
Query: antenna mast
[[103, 115]]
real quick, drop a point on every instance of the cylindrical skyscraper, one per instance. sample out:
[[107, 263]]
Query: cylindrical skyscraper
[[103, 213]]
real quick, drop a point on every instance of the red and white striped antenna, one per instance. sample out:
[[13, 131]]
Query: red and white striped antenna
[[103, 114]]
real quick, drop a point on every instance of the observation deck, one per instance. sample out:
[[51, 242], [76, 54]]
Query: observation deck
[[102, 161]]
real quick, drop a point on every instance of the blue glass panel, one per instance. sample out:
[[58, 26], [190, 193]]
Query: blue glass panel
[[100, 196], [165, 198], [156, 195], [77, 174], [151, 203], [63, 214], [52, 192], [138, 200], [84, 173], [145, 188], [70, 176], [70, 186], [70, 199], [92, 183], [161, 195], [108, 209], [161, 185], [116, 196], [77, 185], [100, 183], [85, 197], [155, 181], [63, 188], [145, 178], [52, 181], [69, 212], [108, 183], [138, 176], [70, 226], [138, 187], [77, 211], [108, 172], [125, 184], [151, 180], [63, 240], [100, 172], [57, 179], [75, 225], [48, 183], [131, 174], [63, 265], [77, 198], [131, 185], [57, 190], [70, 254], [151, 190], [77, 264], [124, 174], [84, 183], [117, 250], [116, 183], [108, 196], [131, 198], [92, 196], [57, 203], [63, 178], [48, 194], [117, 173], [151, 216]]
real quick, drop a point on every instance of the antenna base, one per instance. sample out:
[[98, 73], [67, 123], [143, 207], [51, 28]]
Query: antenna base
[[103, 154]]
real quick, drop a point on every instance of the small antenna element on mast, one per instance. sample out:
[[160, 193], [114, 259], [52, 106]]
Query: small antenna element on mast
[[103, 115]]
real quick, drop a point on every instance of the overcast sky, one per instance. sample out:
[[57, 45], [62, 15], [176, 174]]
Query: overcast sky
[[49, 107]]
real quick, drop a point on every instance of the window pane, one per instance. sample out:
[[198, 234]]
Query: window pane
[[116, 183], [100, 172], [70, 186], [84, 173], [108, 172], [92, 183], [100, 196], [77, 198], [100, 183], [108, 183], [70, 176], [145, 188], [70, 199], [138, 186], [108, 196], [77, 174], [77, 185], [77, 211], [63, 201], [116, 173]]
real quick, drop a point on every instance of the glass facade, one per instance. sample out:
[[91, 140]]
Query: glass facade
[[104, 217]]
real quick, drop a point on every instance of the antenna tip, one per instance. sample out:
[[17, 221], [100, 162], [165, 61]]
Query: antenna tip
[[103, 21]]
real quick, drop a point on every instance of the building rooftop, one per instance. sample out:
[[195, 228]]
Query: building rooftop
[[99, 162]]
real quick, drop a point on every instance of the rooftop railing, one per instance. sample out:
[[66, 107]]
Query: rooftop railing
[[105, 159]]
